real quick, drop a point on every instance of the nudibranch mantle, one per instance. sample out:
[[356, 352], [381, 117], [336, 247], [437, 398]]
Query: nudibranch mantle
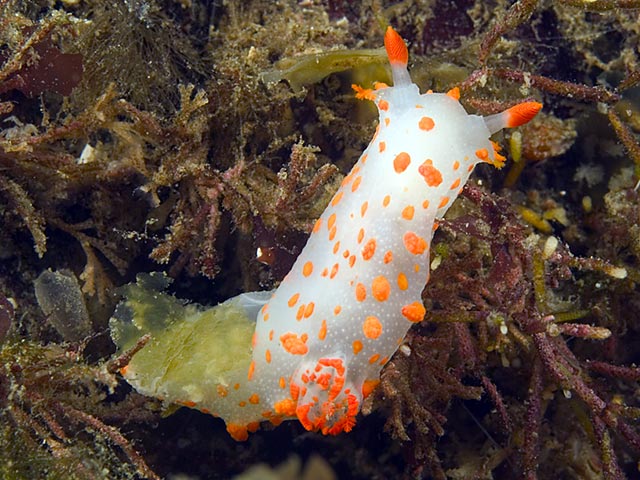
[[323, 336]]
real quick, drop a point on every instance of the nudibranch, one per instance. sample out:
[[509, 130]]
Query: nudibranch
[[313, 349]]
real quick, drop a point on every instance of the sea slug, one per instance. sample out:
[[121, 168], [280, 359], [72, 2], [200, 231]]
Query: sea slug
[[323, 336]]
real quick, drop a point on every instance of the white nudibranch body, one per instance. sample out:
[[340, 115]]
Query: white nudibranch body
[[322, 338]]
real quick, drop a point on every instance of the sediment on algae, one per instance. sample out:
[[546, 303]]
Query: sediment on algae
[[115, 178]]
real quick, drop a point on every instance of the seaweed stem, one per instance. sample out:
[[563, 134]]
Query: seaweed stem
[[113, 434], [122, 360], [602, 5], [517, 14], [532, 423], [627, 138], [575, 91]]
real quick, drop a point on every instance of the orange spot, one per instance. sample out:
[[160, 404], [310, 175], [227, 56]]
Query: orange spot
[[414, 312], [334, 270], [456, 165], [388, 257], [369, 249], [363, 208], [363, 93], [276, 420], [380, 288], [363, 159], [387, 121], [252, 369], [455, 184], [346, 180], [236, 386], [396, 48], [443, 202], [317, 225], [360, 235], [222, 391], [300, 312], [383, 105], [401, 162], [372, 327], [187, 403], [407, 212], [361, 292], [282, 383], [266, 317], [293, 300], [382, 146], [325, 272], [294, 391], [336, 363], [286, 407], [425, 204], [302, 412], [332, 233], [426, 124], [308, 310], [482, 154], [254, 399], [386, 200], [322, 334], [454, 93], [375, 134], [357, 347], [238, 432], [499, 159], [345, 254], [352, 260], [336, 199], [331, 222], [369, 386], [414, 243], [253, 426], [254, 340], [267, 355], [336, 247], [403, 283], [294, 345], [470, 167], [307, 269], [270, 335], [374, 358], [337, 309], [431, 174], [356, 183], [522, 113]]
